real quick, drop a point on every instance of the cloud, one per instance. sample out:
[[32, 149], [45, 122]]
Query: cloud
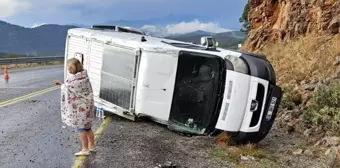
[[184, 27], [89, 12], [83, 2], [154, 30], [12, 7], [187, 27], [37, 25]]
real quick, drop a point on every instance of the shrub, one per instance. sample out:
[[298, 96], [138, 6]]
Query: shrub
[[290, 98], [325, 109], [12, 55]]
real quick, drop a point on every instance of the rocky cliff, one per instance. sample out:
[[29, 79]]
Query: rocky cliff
[[277, 20], [301, 39]]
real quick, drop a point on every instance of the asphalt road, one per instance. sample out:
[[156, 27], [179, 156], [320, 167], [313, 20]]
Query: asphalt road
[[32, 134], [26, 81], [31, 131]]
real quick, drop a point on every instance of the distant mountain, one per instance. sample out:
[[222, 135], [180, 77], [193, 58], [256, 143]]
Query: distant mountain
[[234, 34], [191, 35], [49, 39], [80, 25], [226, 40], [200, 32], [42, 40]]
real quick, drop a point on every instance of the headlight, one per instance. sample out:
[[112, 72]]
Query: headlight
[[239, 64]]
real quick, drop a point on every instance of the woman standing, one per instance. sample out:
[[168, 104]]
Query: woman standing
[[77, 104]]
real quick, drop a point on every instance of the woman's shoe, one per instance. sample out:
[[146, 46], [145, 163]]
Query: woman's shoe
[[93, 150], [82, 153]]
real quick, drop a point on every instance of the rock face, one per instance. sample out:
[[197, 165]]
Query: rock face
[[273, 20]]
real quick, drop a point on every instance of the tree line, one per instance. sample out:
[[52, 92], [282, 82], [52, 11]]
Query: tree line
[[13, 55]]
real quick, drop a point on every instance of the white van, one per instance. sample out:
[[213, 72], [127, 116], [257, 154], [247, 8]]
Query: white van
[[193, 89]]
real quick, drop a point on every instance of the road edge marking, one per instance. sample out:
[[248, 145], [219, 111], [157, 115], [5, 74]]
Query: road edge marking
[[24, 96], [80, 159], [28, 96]]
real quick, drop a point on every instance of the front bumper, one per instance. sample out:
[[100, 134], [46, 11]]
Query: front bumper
[[272, 105]]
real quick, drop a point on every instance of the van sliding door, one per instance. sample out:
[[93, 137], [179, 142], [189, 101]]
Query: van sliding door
[[118, 75]]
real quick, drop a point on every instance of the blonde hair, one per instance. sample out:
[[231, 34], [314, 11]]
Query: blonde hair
[[74, 66]]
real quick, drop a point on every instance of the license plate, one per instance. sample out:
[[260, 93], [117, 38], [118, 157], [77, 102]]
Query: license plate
[[271, 108]]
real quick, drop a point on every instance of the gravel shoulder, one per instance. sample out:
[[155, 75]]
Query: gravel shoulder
[[145, 144]]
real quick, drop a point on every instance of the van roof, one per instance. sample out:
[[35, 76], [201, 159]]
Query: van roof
[[151, 44]]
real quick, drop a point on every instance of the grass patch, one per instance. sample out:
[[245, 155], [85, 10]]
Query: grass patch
[[301, 144], [262, 158], [306, 58], [290, 98]]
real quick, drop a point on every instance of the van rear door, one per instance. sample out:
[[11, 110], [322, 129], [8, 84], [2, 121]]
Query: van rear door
[[77, 47], [118, 78]]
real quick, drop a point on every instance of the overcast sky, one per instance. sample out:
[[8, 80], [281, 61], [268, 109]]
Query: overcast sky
[[222, 14]]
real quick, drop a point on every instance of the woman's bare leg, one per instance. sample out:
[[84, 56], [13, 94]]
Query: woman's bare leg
[[90, 136], [84, 141]]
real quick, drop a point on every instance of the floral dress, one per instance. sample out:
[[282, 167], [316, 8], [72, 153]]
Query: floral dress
[[77, 102]]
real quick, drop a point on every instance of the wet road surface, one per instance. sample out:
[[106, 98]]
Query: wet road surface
[[26, 81], [32, 134], [31, 131]]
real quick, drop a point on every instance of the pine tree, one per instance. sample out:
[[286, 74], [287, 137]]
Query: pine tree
[[244, 19]]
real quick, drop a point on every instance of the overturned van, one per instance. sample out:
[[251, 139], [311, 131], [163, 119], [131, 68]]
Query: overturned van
[[193, 89]]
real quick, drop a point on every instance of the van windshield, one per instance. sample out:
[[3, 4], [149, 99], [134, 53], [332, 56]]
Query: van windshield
[[197, 96]]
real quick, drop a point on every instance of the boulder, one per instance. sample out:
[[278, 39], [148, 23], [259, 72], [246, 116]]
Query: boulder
[[337, 61], [334, 25], [297, 152], [331, 141], [309, 87]]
